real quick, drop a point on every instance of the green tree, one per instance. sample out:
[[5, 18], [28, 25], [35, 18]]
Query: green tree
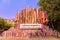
[[5, 25], [53, 9], [1, 23], [8, 24]]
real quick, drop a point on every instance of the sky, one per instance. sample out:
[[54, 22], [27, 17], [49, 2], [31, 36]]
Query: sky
[[8, 8]]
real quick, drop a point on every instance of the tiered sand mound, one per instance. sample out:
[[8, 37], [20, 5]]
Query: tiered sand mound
[[14, 32], [20, 33]]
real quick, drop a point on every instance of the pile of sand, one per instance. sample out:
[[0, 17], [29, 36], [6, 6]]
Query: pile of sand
[[15, 32]]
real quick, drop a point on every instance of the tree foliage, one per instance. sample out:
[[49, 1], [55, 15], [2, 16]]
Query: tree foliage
[[1, 23], [4, 24], [8, 24], [53, 9]]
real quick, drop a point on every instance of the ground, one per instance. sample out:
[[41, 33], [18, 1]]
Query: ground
[[40, 38]]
